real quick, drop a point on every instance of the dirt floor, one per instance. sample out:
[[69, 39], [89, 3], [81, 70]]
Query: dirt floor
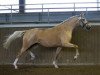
[[31, 70]]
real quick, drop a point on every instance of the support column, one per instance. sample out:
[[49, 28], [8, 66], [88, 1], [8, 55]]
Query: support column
[[21, 6], [98, 5]]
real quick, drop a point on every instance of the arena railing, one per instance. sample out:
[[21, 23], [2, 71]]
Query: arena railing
[[51, 7]]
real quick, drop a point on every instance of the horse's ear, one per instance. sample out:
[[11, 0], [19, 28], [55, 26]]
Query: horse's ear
[[82, 14]]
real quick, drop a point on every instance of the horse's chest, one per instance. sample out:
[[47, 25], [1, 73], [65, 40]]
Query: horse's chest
[[66, 36]]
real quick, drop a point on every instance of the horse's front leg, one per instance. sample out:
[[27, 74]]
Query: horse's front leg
[[55, 57], [74, 46], [77, 52]]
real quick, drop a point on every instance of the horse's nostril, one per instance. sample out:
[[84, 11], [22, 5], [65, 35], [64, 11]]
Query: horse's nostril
[[88, 27]]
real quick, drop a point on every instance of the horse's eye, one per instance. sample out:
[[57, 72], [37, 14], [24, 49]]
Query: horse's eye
[[83, 19]]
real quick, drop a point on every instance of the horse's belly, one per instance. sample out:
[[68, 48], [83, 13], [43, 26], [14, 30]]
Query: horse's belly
[[50, 43], [48, 38]]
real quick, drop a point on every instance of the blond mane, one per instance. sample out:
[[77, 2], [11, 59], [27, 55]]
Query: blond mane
[[67, 20]]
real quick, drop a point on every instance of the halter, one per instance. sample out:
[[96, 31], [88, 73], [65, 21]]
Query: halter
[[81, 20]]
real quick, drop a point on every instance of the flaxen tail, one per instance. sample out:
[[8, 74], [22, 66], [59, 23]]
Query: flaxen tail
[[12, 37]]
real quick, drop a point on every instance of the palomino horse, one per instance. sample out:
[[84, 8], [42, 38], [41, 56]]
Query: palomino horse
[[58, 36]]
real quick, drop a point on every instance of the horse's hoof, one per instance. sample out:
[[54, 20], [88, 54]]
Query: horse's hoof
[[55, 65], [75, 57], [32, 58], [15, 66]]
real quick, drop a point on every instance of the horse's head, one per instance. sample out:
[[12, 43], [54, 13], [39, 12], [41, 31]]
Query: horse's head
[[83, 22]]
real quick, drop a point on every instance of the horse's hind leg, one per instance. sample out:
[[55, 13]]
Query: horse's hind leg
[[26, 45], [55, 57], [17, 58], [32, 55], [23, 50]]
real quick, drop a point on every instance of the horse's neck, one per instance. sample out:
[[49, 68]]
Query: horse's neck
[[70, 25], [67, 25]]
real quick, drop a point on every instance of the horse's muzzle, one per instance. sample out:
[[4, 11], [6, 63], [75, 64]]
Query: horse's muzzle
[[88, 27]]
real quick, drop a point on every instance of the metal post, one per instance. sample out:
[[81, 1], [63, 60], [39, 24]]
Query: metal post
[[42, 14], [98, 5], [42, 8], [48, 15], [74, 7], [11, 15], [86, 11]]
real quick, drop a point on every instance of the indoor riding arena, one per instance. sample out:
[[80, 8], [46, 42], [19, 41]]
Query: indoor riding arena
[[20, 15]]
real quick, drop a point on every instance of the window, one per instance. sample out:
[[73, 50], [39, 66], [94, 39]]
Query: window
[[49, 5], [5, 6], [80, 5]]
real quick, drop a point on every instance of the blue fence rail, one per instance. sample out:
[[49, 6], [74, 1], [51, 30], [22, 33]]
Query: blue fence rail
[[48, 12]]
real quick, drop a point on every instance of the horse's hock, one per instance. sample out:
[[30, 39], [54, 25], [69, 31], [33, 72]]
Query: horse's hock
[[88, 42]]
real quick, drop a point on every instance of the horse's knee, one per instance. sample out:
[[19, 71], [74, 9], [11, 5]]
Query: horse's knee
[[76, 46]]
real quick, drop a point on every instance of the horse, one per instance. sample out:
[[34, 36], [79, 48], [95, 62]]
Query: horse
[[58, 36]]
